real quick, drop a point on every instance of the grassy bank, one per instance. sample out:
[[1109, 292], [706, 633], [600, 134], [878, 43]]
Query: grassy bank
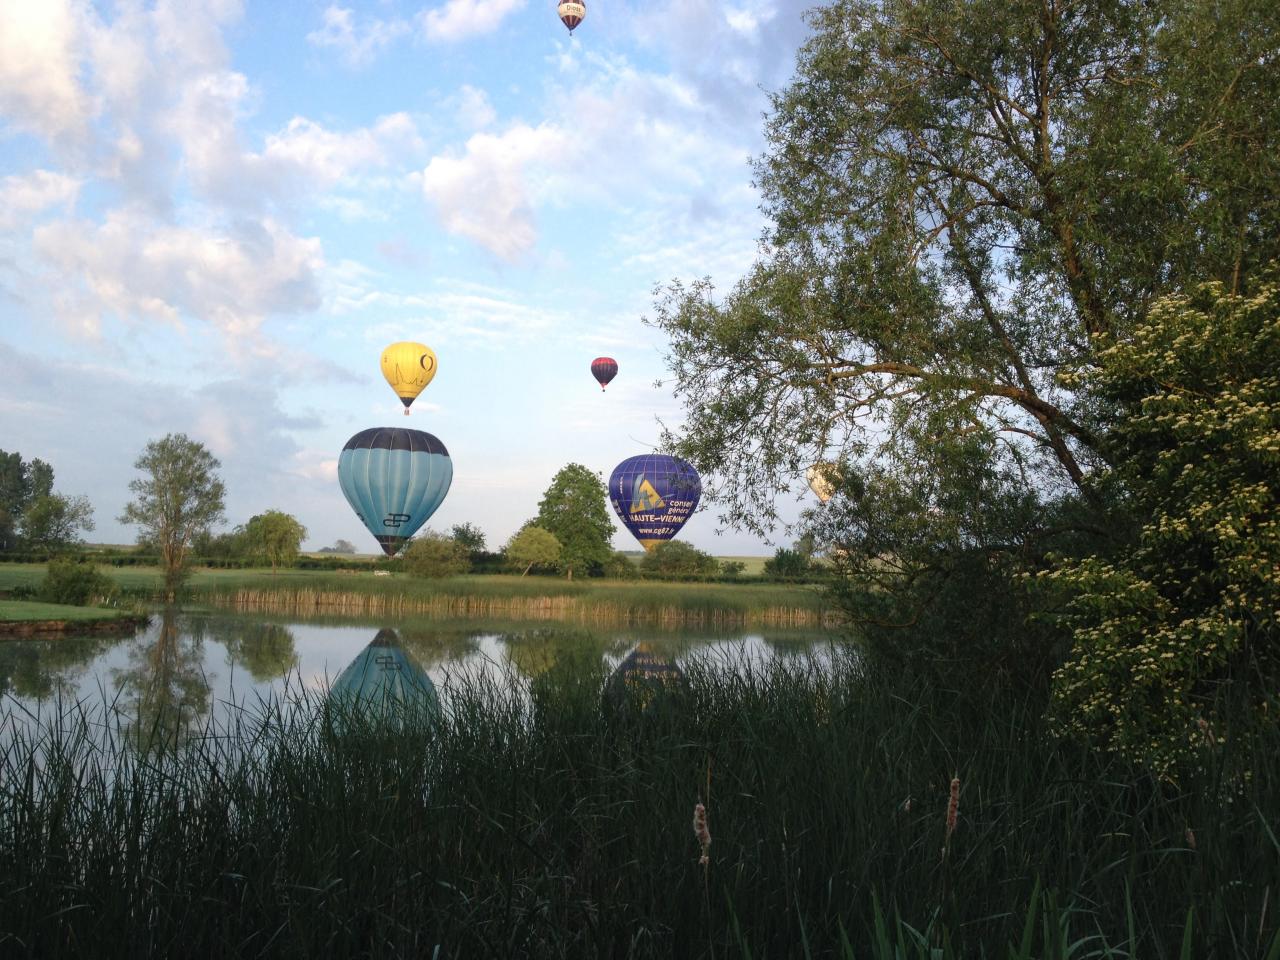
[[559, 828], [309, 592], [26, 618]]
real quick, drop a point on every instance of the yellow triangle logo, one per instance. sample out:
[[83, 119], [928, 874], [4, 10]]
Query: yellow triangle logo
[[645, 499]]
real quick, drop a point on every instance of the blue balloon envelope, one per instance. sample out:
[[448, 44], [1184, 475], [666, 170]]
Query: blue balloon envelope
[[385, 683], [654, 495], [394, 479]]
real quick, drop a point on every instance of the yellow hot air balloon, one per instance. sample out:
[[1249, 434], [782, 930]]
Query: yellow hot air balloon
[[408, 367], [823, 479]]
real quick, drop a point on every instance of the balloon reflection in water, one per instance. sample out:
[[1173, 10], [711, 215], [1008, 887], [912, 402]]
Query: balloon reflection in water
[[645, 678], [385, 683]]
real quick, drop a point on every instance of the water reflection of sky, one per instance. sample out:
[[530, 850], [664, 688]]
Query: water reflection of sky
[[208, 666]]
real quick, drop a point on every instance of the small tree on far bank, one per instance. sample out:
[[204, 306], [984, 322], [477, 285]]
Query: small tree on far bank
[[53, 522], [788, 563], [530, 547], [469, 535], [433, 555], [178, 497], [676, 558], [275, 537]]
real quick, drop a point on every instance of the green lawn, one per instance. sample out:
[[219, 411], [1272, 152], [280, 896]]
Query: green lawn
[[13, 611]]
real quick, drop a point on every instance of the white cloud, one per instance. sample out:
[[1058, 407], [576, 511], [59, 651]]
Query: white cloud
[[459, 19], [474, 109], [40, 85], [484, 194], [357, 45], [132, 268], [23, 197]]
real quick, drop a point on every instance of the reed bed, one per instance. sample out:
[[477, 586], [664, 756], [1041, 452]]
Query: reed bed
[[685, 604], [843, 816]]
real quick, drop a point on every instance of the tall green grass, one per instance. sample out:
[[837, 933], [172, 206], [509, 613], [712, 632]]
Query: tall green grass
[[545, 821]]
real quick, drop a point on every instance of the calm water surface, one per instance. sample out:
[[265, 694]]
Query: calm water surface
[[206, 666]]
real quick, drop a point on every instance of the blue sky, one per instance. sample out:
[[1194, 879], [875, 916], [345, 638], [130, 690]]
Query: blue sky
[[214, 215]]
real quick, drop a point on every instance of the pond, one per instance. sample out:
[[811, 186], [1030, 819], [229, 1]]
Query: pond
[[196, 669]]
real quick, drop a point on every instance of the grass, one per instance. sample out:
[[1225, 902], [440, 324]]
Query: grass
[[26, 611], [550, 822], [307, 592]]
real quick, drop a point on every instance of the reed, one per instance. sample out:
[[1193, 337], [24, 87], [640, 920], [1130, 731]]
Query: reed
[[543, 820], [512, 598]]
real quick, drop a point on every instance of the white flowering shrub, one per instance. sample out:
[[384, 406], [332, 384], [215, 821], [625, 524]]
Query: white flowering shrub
[[1186, 620]]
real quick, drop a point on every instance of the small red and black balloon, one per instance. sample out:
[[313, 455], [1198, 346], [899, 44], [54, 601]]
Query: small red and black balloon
[[571, 13], [604, 369]]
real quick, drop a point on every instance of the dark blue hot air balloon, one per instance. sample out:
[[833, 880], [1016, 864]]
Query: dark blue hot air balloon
[[654, 495], [394, 480]]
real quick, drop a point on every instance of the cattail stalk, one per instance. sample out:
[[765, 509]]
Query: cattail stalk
[[702, 833]]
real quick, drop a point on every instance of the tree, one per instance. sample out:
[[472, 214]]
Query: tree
[[469, 535], [52, 522], [178, 498], [787, 563], [575, 510], [1159, 632], [434, 555], [21, 482], [966, 201], [274, 537], [675, 558], [530, 547]]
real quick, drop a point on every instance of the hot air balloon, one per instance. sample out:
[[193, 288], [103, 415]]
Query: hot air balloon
[[385, 682], [571, 12], [394, 480], [823, 479], [654, 495], [604, 369], [408, 367]]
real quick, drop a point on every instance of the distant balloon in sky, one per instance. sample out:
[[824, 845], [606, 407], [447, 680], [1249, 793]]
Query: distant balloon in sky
[[385, 682], [394, 480], [408, 367], [823, 479], [572, 13], [604, 369], [654, 495]]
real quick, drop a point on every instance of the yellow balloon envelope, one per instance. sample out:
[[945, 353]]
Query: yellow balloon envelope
[[408, 367], [823, 479]]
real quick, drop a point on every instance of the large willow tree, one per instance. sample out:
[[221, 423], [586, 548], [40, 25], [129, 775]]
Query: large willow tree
[[967, 199]]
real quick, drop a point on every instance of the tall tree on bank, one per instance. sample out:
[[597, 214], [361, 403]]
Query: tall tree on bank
[[575, 511], [178, 498], [21, 483], [965, 201]]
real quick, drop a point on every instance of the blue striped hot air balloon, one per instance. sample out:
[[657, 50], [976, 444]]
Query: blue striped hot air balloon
[[654, 495], [394, 480]]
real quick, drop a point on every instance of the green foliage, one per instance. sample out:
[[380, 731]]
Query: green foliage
[[732, 568], [1168, 631], [676, 558], [575, 510], [432, 555], [231, 545], [962, 197], [274, 537], [469, 535], [21, 483], [340, 546], [52, 522], [531, 546], [75, 582], [178, 497], [619, 566], [787, 563]]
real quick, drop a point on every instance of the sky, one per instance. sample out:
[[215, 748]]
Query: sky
[[215, 214]]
